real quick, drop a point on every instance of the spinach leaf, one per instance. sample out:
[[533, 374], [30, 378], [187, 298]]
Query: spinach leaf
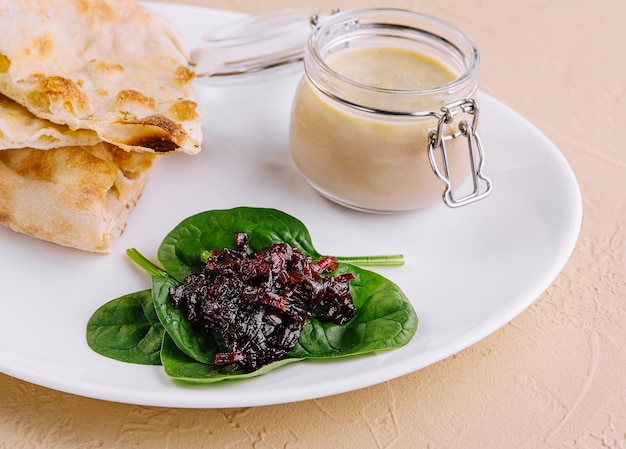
[[144, 327], [384, 320], [182, 367], [196, 344], [127, 329], [184, 249]]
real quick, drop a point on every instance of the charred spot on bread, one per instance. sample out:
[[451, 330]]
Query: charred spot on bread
[[184, 110], [128, 97], [184, 75], [58, 90], [159, 133], [156, 142]]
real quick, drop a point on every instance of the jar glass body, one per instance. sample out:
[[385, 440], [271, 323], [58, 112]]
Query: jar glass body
[[364, 145]]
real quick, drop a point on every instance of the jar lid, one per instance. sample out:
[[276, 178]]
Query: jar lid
[[257, 43]]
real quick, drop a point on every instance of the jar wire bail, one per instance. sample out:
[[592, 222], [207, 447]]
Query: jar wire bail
[[481, 184]]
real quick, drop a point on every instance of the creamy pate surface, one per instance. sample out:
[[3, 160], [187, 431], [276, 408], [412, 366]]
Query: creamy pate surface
[[391, 68]]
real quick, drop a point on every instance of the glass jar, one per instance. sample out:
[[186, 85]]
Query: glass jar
[[385, 118]]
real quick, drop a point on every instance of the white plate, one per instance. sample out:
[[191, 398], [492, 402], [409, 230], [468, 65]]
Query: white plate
[[468, 271]]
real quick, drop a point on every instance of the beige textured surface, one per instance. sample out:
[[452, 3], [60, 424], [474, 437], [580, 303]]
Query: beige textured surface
[[553, 378]]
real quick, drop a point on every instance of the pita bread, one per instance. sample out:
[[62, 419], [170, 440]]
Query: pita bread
[[111, 66], [19, 128], [73, 196]]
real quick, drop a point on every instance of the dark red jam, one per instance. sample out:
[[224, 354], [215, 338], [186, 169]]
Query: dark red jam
[[258, 303]]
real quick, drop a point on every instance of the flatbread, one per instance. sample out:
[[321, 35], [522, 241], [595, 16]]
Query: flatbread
[[111, 66], [21, 129], [73, 196]]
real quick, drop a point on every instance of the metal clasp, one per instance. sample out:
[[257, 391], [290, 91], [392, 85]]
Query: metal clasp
[[314, 20], [481, 185]]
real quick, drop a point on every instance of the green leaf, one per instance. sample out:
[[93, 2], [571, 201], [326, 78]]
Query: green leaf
[[181, 252], [144, 327], [127, 329], [384, 320], [195, 343], [182, 367]]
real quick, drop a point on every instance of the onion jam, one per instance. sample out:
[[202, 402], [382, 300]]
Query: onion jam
[[258, 303]]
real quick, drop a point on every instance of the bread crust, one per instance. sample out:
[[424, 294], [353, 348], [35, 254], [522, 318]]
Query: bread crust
[[78, 196], [111, 66]]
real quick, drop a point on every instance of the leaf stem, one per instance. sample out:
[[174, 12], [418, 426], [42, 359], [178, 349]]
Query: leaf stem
[[146, 264], [394, 260]]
